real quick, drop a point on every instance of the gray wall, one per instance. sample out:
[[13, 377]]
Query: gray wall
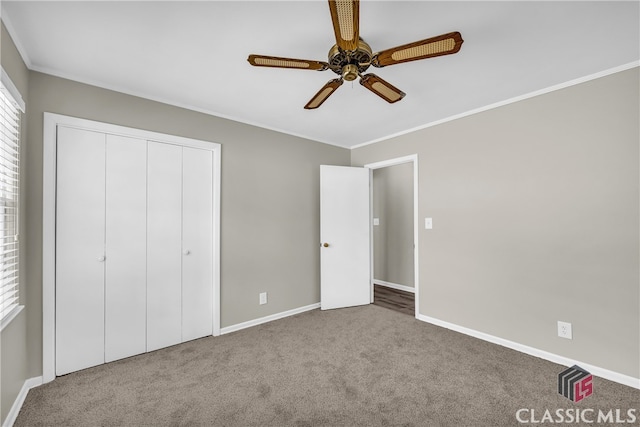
[[269, 206], [535, 211], [535, 207], [393, 237], [13, 339]]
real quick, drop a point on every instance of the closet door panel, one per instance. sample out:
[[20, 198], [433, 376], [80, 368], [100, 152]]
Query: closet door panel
[[80, 214], [197, 243], [126, 247], [164, 238]]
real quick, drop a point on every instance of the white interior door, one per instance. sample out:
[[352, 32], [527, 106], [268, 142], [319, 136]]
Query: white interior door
[[80, 251], [125, 320], [197, 243], [164, 245], [345, 235]]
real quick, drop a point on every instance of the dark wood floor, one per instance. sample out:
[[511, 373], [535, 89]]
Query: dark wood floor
[[394, 299]]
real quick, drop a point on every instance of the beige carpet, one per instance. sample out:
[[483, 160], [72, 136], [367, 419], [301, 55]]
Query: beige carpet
[[365, 366]]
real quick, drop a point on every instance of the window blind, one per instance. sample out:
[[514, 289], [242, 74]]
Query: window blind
[[10, 117]]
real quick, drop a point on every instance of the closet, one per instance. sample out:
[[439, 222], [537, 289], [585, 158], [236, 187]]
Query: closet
[[134, 246]]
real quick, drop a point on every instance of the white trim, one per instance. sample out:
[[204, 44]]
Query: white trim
[[50, 125], [91, 125], [266, 319], [22, 395], [217, 231], [413, 158], [167, 101], [392, 162], [515, 99], [10, 316], [395, 286], [12, 89], [371, 240], [48, 247], [532, 351], [69, 76]]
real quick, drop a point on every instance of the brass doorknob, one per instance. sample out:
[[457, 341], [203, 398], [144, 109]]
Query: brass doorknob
[[326, 245]]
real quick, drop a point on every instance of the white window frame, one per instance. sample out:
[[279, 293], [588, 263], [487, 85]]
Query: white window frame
[[11, 103]]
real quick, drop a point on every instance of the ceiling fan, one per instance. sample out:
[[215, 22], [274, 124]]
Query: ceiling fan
[[351, 56]]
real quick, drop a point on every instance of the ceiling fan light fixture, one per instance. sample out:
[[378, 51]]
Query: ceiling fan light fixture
[[350, 72]]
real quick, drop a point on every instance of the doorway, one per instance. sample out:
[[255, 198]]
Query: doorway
[[394, 219]]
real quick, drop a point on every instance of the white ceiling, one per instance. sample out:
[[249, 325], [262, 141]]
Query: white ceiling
[[194, 54]]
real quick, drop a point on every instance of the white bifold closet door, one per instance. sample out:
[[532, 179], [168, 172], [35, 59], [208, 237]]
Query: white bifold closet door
[[164, 246], [180, 244], [101, 221], [125, 320], [134, 247], [80, 252], [197, 243]]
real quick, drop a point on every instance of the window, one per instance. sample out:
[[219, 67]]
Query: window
[[11, 108]]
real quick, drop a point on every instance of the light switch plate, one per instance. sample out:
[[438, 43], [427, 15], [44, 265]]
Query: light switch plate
[[263, 298], [428, 223], [376, 221]]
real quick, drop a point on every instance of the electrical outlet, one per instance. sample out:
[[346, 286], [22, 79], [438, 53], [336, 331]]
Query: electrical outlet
[[564, 330], [263, 298]]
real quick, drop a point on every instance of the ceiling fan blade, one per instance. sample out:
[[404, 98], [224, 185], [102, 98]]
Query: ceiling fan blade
[[274, 61], [445, 44], [345, 15], [323, 94], [382, 88]]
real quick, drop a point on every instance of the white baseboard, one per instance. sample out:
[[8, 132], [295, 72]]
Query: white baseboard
[[395, 286], [266, 319], [542, 354], [17, 404]]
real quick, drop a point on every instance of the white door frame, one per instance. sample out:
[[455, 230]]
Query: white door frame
[[392, 162], [51, 122]]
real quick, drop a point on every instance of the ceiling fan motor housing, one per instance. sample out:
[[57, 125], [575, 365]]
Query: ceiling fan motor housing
[[350, 64]]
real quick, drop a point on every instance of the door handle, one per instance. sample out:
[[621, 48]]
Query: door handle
[[326, 245], [186, 252], [102, 258]]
